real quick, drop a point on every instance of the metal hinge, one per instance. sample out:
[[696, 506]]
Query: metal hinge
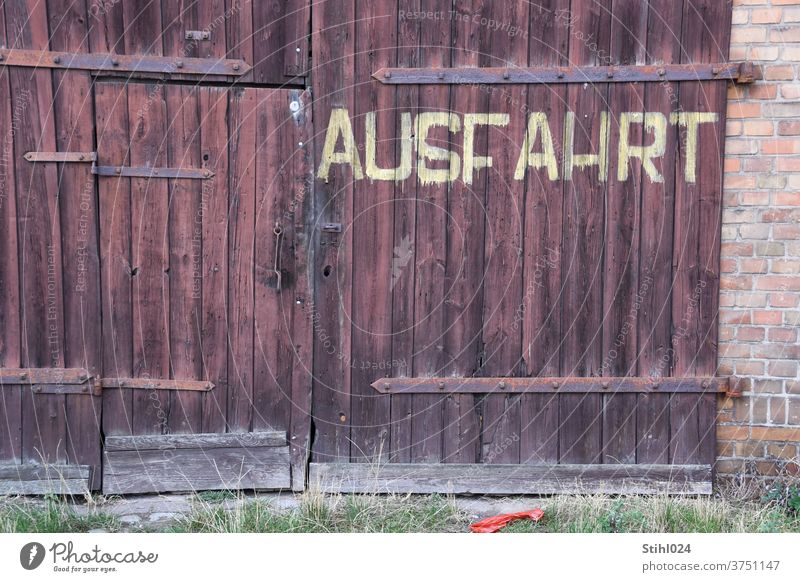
[[80, 381], [121, 171], [113, 63]]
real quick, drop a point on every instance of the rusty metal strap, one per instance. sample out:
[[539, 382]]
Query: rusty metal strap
[[550, 385], [145, 172], [745, 72], [108, 63], [80, 381], [61, 157], [157, 384]]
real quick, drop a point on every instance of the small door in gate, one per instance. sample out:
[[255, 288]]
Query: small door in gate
[[203, 195]]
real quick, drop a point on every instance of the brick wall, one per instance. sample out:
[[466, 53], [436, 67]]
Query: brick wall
[[759, 434]]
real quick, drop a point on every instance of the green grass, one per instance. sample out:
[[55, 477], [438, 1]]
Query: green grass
[[229, 512], [53, 516], [341, 513]]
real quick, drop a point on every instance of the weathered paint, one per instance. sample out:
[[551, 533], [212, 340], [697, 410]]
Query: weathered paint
[[342, 147]]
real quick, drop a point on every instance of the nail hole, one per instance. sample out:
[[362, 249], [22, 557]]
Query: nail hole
[[205, 157], [327, 271]]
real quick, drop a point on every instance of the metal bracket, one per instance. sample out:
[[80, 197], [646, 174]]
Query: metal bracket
[[331, 227], [197, 35], [745, 72], [145, 172], [61, 157], [112, 63]]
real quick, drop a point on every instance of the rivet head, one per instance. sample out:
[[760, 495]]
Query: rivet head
[[179, 64], [441, 75], [662, 72], [294, 106], [115, 62], [605, 385], [506, 75], [387, 75], [236, 66], [441, 385], [56, 60], [297, 50], [555, 385], [342, 417], [386, 385], [705, 384], [655, 386], [560, 75], [501, 385]]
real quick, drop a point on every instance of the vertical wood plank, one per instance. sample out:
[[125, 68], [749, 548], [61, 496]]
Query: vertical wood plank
[[503, 251], [39, 232], [706, 27], [214, 206], [464, 268], [10, 396], [333, 42], [540, 309], [655, 253], [272, 376], [303, 213], [430, 250], [111, 112], [148, 119], [142, 28], [74, 116], [374, 254], [241, 231], [583, 239], [295, 32], [621, 264], [185, 235], [404, 236], [106, 27]]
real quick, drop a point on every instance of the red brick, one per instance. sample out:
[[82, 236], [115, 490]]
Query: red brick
[[789, 127]]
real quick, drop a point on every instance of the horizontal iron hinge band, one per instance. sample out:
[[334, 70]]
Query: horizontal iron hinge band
[[158, 384], [744, 72], [108, 63], [145, 172], [551, 385], [80, 381]]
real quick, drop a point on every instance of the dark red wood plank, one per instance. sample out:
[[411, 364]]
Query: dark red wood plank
[[111, 114], [185, 234], [464, 269], [302, 213], [503, 247], [148, 121], [404, 236], [582, 236], [655, 252], [430, 244], [39, 232], [274, 302], [374, 262], [215, 206], [142, 28], [10, 396], [698, 199], [539, 313], [74, 118], [621, 263], [333, 42], [241, 232]]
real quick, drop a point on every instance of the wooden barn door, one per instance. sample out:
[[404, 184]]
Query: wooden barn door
[[517, 290], [203, 198], [50, 342]]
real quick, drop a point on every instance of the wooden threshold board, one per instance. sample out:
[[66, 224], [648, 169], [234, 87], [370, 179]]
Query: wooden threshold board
[[510, 479], [201, 462], [36, 479]]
